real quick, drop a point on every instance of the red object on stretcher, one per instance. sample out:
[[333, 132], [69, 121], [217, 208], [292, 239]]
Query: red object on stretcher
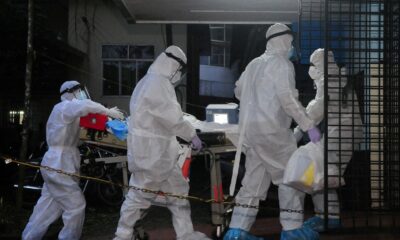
[[94, 121], [186, 167]]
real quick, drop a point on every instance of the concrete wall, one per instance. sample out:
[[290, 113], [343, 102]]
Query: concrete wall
[[106, 25]]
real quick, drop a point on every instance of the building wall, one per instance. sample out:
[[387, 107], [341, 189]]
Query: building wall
[[106, 25]]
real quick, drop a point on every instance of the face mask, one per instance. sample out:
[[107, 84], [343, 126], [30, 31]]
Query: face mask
[[81, 94], [292, 55], [176, 78], [314, 73], [78, 92], [180, 72]]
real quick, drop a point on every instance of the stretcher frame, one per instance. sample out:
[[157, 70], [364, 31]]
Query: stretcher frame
[[218, 210]]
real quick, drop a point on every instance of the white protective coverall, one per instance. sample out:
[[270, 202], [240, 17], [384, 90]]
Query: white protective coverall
[[156, 119], [268, 103], [344, 122], [61, 194]]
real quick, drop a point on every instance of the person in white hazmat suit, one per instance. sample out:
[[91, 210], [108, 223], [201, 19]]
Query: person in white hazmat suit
[[344, 129], [268, 103], [61, 194], [155, 122]]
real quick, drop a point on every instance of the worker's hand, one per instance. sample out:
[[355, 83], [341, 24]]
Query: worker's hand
[[314, 134], [196, 143], [298, 134], [115, 113]]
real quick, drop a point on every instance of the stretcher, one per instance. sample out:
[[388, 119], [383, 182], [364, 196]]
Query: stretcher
[[218, 139]]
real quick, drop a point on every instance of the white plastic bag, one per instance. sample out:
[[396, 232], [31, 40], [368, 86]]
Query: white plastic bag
[[305, 170]]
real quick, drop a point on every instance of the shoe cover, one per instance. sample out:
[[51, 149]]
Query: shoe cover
[[239, 234], [303, 233], [317, 224]]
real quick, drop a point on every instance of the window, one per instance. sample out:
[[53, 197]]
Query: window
[[216, 76], [16, 117], [124, 66], [220, 37], [212, 81]]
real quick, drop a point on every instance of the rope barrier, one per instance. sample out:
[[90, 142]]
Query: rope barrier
[[145, 190]]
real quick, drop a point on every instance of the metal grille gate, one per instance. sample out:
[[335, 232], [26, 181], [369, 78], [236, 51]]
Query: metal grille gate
[[364, 37]]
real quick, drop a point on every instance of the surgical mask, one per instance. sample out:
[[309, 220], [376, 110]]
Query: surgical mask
[[292, 55], [78, 92], [314, 73], [176, 78], [180, 72], [81, 94]]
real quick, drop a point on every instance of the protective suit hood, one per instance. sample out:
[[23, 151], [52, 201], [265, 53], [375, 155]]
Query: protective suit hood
[[279, 39], [73, 89], [316, 70], [169, 63], [66, 86]]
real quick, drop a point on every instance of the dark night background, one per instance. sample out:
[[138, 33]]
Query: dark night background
[[53, 59]]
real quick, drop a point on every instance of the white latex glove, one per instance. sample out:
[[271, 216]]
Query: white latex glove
[[115, 113], [298, 134]]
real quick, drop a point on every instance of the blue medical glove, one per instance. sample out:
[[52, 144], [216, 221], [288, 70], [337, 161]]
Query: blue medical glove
[[314, 134], [196, 143]]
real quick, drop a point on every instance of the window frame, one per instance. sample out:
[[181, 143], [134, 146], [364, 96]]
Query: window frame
[[225, 43], [120, 61]]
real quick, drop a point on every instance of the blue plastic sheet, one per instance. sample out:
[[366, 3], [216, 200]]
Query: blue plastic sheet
[[118, 128]]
